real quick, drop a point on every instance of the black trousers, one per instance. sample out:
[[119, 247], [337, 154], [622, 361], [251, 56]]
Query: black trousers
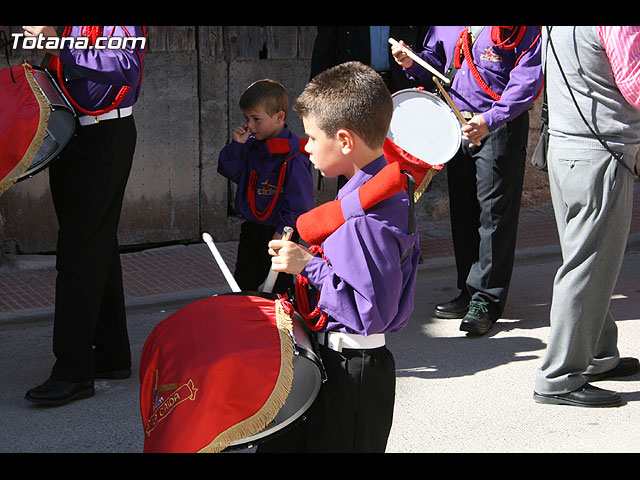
[[353, 412], [87, 185], [485, 189], [253, 261]]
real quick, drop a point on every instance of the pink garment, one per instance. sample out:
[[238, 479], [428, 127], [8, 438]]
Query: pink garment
[[622, 44]]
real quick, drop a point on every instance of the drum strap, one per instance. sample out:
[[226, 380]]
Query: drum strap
[[411, 226], [456, 59]]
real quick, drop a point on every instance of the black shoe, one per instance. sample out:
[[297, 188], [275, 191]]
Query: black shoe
[[478, 320], [585, 396], [114, 374], [58, 392], [627, 366], [456, 308]]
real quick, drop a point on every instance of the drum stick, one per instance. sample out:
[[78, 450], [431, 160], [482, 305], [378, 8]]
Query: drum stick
[[420, 61], [270, 282], [450, 102], [223, 266]]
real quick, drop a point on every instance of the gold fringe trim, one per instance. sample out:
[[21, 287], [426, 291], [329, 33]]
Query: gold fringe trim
[[265, 415], [424, 184], [38, 138]]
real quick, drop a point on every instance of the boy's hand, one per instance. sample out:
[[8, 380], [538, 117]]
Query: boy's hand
[[288, 257], [241, 133]]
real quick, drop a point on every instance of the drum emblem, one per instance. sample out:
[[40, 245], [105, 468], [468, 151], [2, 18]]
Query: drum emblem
[[490, 56], [268, 189], [164, 403]]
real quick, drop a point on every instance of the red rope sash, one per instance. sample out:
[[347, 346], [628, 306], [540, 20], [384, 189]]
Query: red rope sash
[[303, 300], [262, 215], [92, 32], [463, 44], [463, 48]]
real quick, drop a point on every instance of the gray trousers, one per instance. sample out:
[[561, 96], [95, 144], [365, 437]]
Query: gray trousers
[[592, 197]]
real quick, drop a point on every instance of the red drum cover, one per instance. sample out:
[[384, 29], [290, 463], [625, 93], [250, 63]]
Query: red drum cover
[[421, 171], [24, 114], [214, 372]]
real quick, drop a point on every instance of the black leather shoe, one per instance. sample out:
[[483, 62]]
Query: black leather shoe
[[456, 308], [585, 396], [58, 392], [478, 320], [114, 374], [627, 366]]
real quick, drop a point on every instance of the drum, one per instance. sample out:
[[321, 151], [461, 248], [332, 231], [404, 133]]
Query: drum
[[424, 126], [60, 127], [226, 372], [308, 375]]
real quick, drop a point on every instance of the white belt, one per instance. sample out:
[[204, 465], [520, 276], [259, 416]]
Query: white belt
[[337, 340], [117, 113]]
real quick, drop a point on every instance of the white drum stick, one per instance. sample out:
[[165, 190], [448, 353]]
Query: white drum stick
[[420, 61], [270, 282], [223, 266]]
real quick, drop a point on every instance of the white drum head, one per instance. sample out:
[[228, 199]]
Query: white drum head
[[424, 126]]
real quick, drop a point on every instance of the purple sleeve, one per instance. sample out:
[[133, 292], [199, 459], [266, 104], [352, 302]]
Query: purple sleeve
[[108, 66], [525, 82], [361, 286], [232, 161], [517, 77], [434, 52]]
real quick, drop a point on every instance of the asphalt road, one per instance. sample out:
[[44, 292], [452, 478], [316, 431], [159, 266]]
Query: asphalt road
[[454, 393]]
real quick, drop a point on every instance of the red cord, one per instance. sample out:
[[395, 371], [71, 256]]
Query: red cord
[[497, 36], [93, 32], [263, 215], [464, 44], [303, 300], [498, 39]]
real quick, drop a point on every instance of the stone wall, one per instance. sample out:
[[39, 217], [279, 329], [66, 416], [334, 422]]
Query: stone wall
[[193, 77]]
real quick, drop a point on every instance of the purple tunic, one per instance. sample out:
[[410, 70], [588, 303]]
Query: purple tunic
[[105, 71], [365, 288], [514, 74], [237, 160]]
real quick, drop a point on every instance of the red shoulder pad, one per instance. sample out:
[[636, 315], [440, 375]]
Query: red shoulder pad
[[278, 145]]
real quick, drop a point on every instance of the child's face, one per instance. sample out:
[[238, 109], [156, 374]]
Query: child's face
[[324, 152], [262, 125]]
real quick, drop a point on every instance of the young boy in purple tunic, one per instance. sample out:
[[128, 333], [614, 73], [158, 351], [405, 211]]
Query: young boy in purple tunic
[[274, 177], [366, 274]]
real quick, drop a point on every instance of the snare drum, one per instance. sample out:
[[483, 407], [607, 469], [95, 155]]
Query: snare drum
[[60, 127], [424, 126]]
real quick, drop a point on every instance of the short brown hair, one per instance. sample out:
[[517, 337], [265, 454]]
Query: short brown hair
[[352, 96], [266, 93]]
